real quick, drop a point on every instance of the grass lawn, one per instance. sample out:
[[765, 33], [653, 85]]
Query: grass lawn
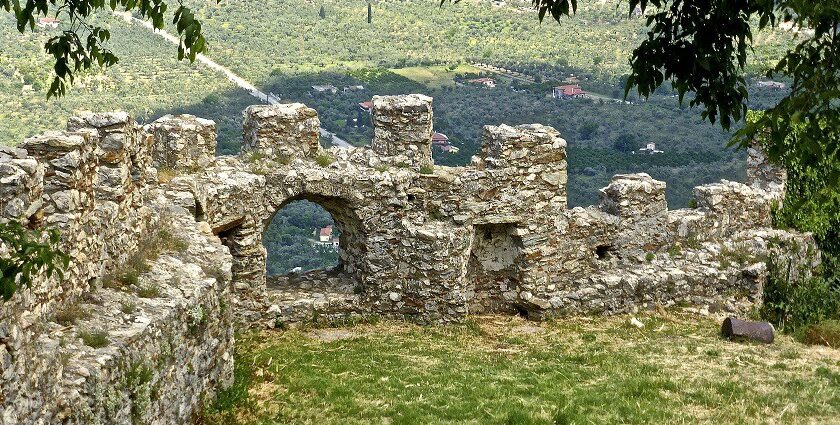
[[504, 370], [434, 76]]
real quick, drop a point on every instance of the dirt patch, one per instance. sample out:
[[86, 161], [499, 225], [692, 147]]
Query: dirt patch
[[330, 335], [527, 329]]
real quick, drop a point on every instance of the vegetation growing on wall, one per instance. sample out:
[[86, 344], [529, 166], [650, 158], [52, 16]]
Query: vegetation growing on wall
[[28, 253]]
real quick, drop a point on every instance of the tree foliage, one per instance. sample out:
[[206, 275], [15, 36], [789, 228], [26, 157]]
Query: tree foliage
[[82, 45], [30, 252], [701, 47]]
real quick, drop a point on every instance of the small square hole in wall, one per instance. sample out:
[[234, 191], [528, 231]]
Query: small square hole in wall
[[604, 251]]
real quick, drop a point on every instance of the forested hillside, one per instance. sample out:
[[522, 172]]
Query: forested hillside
[[285, 47]]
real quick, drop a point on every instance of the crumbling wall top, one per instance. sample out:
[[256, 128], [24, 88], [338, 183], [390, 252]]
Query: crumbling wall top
[[522, 146], [634, 196], [402, 128], [291, 130]]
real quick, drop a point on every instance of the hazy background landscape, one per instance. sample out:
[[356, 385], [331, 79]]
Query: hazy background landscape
[[410, 46]]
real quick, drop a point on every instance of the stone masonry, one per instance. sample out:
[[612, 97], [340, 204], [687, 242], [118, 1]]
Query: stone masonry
[[166, 333], [426, 243], [433, 244]]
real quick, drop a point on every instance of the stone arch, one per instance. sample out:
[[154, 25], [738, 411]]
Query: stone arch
[[352, 245]]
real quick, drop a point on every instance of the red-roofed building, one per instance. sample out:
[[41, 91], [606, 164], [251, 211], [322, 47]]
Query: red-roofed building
[[326, 238], [366, 106], [568, 91], [48, 23], [441, 141], [488, 82]]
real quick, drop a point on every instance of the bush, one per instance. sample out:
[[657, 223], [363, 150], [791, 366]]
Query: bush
[[324, 159], [825, 333], [70, 315], [793, 306]]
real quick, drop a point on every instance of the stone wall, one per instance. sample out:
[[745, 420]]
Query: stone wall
[[182, 142], [402, 129], [436, 243], [421, 242], [165, 351]]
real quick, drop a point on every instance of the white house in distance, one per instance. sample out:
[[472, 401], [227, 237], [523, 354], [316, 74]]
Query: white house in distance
[[48, 23], [441, 141], [366, 106], [568, 91], [325, 88], [775, 85], [649, 149], [326, 237], [487, 82]]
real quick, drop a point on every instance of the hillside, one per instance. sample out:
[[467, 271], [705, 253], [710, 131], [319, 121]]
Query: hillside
[[409, 46]]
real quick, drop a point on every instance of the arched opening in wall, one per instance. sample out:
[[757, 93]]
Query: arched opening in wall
[[301, 237], [314, 242], [493, 269]]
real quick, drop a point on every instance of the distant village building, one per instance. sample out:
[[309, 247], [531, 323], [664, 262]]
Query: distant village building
[[325, 88], [771, 85], [487, 82], [353, 88], [441, 141], [48, 23], [366, 106], [326, 237], [649, 149], [568, 91]]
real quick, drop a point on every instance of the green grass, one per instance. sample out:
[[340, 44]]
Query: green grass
[[324, 159], [95, 339], [499, 370]]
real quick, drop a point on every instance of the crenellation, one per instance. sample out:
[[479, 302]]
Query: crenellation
[[402, 129], [420, 242], [634, 197], [182, 142], [291, 131]]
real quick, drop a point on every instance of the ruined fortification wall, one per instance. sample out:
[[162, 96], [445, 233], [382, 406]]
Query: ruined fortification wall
[[95, 184], [423, 242], [436, 243]]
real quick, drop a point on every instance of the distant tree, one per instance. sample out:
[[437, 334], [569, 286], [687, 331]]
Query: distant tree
[[81, 45], [370, 13], [322, 13], [587, 130], [625, 142], [701, 47]]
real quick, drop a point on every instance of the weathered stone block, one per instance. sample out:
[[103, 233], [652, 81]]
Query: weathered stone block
[[524, 146], [634, 196], [402, 128], [735, 206], [69, 169], [762, 174], [291, 130], [182, 142], [21, 183]]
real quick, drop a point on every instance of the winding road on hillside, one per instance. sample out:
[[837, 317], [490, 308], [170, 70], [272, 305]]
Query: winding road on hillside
[[236, 79]]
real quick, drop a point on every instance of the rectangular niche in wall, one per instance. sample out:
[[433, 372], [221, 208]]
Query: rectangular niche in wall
[[494, 267]]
